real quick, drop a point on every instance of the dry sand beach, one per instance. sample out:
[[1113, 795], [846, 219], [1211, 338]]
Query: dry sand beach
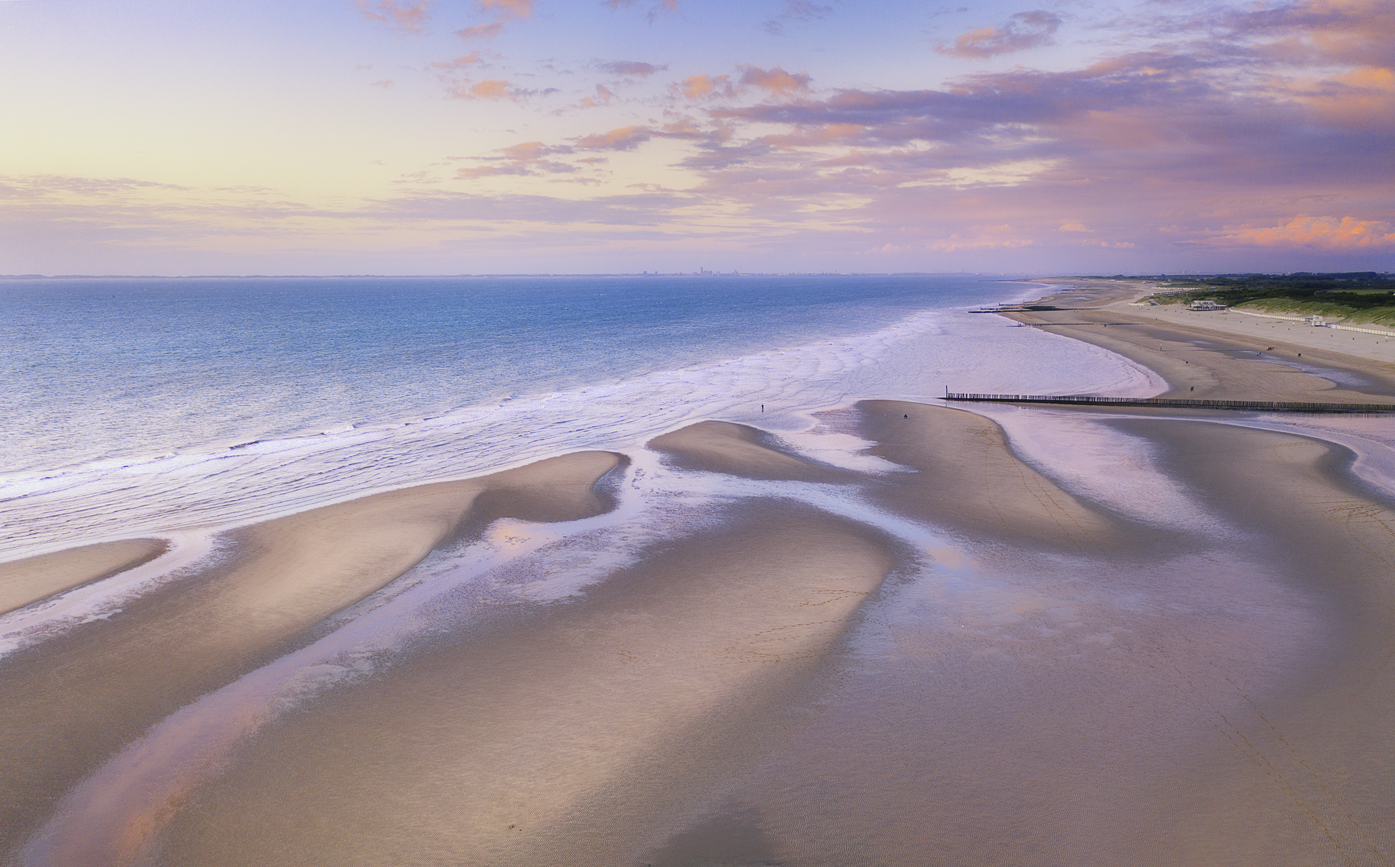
[[1221, 355], [950, 653]]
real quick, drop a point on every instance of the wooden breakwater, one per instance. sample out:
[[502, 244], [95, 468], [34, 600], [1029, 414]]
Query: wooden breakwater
[[1175, 402]]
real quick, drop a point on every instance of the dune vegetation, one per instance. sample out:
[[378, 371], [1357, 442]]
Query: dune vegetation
[[1364, 296]]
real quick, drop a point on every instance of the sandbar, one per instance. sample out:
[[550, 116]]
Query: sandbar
[[68, 702], [34, 578]]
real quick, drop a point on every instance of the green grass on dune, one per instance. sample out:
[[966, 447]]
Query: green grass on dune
[[1354, 297]]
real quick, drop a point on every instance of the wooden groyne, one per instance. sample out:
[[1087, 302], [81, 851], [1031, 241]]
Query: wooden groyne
[[1175, 402]]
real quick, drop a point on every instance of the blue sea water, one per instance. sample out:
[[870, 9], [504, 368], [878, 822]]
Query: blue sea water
[[143, 405], [122, 368]]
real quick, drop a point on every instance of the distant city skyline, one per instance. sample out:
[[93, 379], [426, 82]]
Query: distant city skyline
[[531, 136]]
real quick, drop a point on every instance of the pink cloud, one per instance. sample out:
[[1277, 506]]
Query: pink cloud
[[625, 138], [410, 17], [525, 158], [481, 31], [1326, 232], [603, 97], [508, 8], [818, 136], [1355, 32], [683, 128], [1020, 32], [502, 11], [474, 58], [531, 150], [1360, 98], [776, 80], [493, 89], [703, 86], [556, 171]]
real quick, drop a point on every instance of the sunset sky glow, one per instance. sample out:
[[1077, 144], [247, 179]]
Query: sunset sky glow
[[526, 136]]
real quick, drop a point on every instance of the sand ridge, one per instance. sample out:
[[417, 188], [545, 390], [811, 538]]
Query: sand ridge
[[567, 737], [724, 447], [33, 578], [120, 675], [967, 479]]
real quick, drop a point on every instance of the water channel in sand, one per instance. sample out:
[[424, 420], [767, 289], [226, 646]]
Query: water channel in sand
[[992, 703]]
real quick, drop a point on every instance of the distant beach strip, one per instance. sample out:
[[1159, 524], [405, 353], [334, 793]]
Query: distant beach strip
[[1173, 402]]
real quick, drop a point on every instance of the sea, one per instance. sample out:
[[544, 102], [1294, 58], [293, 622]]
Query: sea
[[144, 406]]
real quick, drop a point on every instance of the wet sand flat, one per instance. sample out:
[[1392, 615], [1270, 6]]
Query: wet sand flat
[[1305, 774], [35, 578], [1096, 710], [572, 736], [968, 480], [1091, 691], [67, 703], [1218, 699], [960, 659]]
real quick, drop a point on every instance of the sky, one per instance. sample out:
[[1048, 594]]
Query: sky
[[605, 136]]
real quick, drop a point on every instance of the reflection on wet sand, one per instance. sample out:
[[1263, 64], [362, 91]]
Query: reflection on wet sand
[[566, 736], [1054, 671], [68, 703]]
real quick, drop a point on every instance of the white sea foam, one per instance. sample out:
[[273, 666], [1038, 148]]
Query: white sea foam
[[916, 358]]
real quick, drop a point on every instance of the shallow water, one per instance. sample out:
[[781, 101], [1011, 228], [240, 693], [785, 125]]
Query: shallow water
[[985, 704], [992, 705], [122, 423]]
